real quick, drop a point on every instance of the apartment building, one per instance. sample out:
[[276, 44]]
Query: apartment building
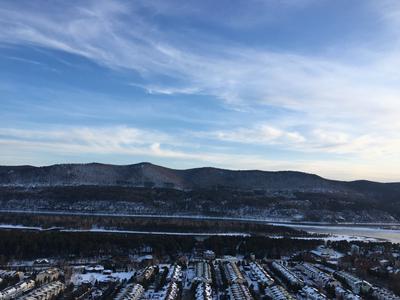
[[45, 292]]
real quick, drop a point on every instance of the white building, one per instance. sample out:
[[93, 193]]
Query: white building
[[175, 274], [11, 274], [172, 291], [310, 293], [262, 276], [356, 284], [321, 278], [277, 292], [344, 294], [16, 290], [203, 272], [48, 275], [289, 276], [239, 292], [203, 292], [232, 273], [131, 292], [45, 292]]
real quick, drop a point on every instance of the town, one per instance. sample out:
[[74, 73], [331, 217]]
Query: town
[[331, 270]]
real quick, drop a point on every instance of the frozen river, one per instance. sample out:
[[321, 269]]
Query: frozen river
[[373, 232]]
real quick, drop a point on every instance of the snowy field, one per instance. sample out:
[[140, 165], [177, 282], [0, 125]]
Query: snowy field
[[93, 277]]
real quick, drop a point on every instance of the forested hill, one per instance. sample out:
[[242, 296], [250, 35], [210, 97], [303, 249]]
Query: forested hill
[[149, 175], [148, 188]]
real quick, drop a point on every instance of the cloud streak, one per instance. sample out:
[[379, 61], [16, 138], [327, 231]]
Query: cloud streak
[[237, 75], [133, 142]]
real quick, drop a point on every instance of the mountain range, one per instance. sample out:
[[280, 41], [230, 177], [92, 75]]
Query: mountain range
[[281, 194]]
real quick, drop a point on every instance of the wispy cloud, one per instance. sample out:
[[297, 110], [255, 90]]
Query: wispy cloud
[[108, 140], [155, 89], [132, 142], [365, 146], [117, 35], [261, 134], [343, 100]]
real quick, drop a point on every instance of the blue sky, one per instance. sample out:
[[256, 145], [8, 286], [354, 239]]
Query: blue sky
[[309, 85]]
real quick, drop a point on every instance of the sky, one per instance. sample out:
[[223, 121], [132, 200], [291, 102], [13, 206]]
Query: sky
[[306, 85]]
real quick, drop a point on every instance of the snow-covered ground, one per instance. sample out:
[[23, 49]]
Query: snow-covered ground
[[263, 218], [8, 226], [351, 232], [159, 232], [332, 237], [78, 278]]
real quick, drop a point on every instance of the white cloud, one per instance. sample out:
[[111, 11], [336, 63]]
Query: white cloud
[[155, 89], [130, 143], [108, 139], [368, 146], [261, 134], [116, 35], [341, 105]]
